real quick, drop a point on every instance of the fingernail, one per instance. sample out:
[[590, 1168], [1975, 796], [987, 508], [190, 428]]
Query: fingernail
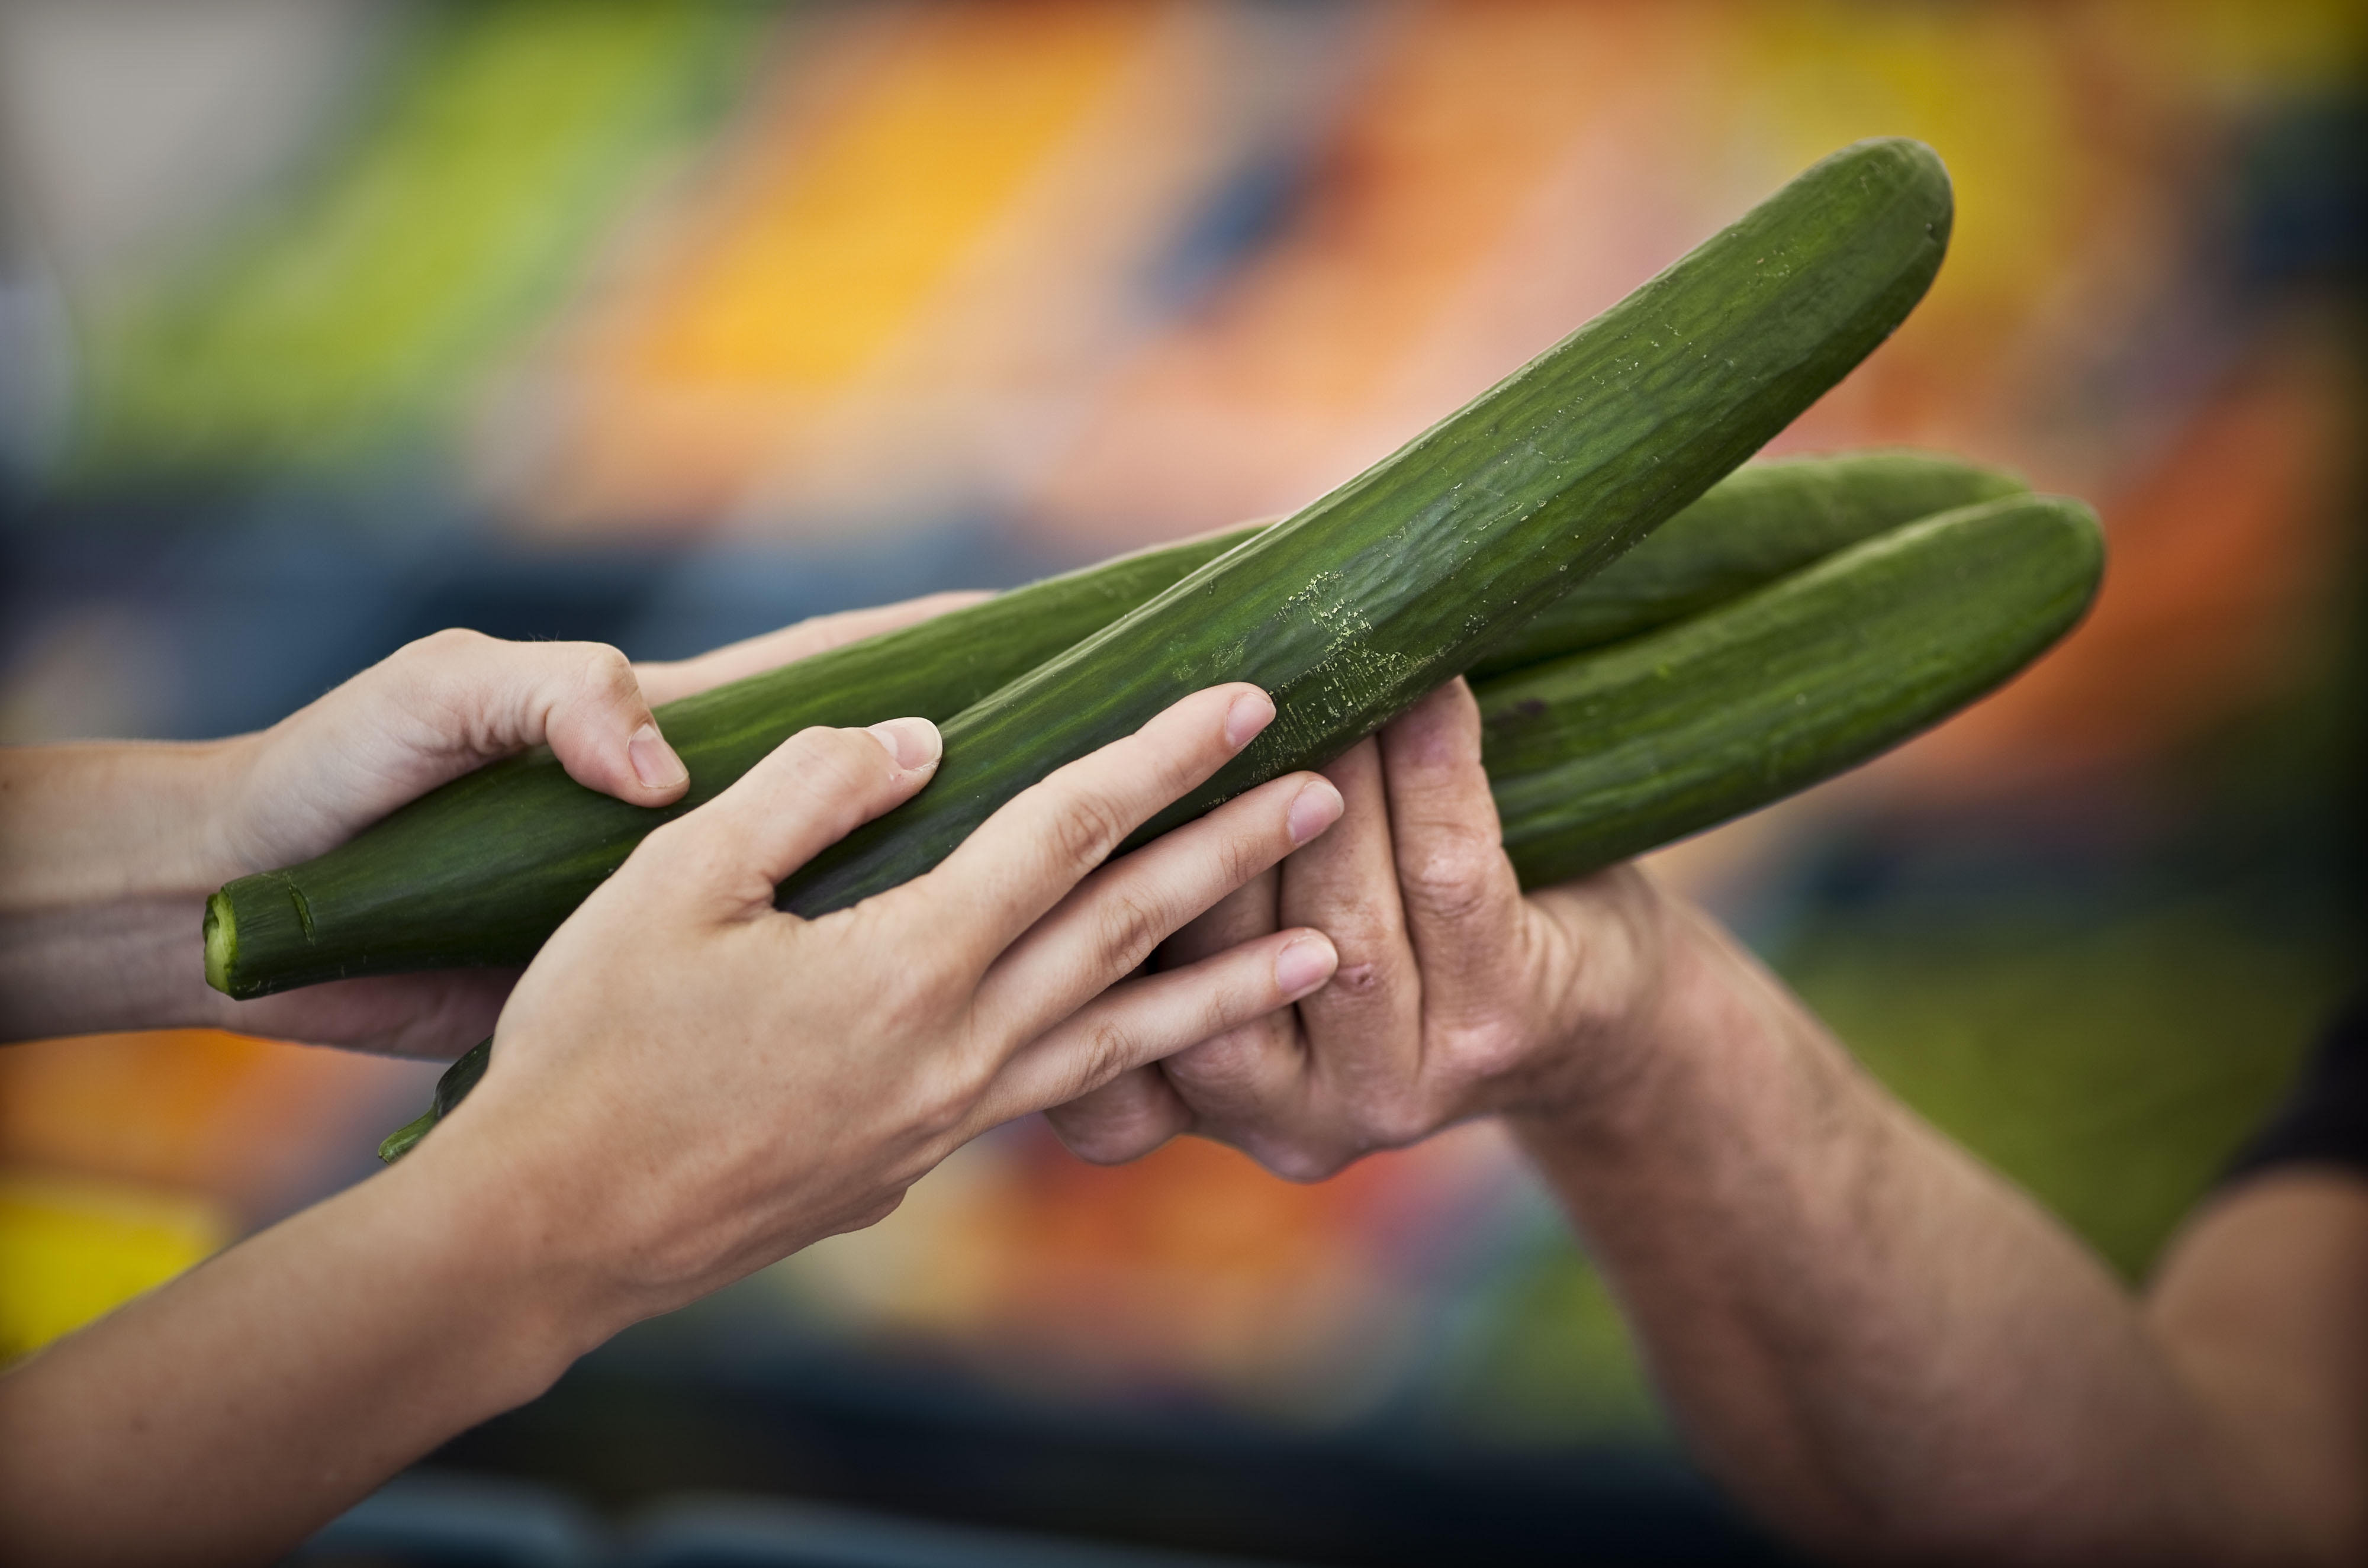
[[1251, 712], [654, 763], [913, 743], [1316, 807], [1304, 965]]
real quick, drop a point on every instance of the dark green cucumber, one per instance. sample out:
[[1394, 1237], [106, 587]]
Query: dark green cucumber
[[452, 1087], [1759, 523], [1354, 608], [484, 869], [1600, 756], [1605, 754], [1496, 509]]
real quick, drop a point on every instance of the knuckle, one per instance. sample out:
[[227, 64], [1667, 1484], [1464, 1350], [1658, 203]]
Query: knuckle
[[1106, 1051], [1085, 830], [451, 642], [1249, 850], [1227, 1066], [1110, 1137], [835, 765], [443, 666], [1452, 882], [1304, 1164], [1100, 1146], [1477, 1053], [604, 671], [1397, 1123], [939, 1100], [1132, 923], [914, 1005]]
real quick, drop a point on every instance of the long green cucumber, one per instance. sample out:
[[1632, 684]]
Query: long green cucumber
[[1602, 756], [1355, 607], [1607, 752], [481, 870], [1599, 439], [484, 869], [1759, 523]]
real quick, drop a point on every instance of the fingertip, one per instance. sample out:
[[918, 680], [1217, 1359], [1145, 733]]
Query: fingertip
[[1247, 716], [913, 743], [1305, 964], [1316, 808], [655, 762], [1438, 731]]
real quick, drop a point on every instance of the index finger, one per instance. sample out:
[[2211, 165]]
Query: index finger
[[1025, 858], [664, 680]]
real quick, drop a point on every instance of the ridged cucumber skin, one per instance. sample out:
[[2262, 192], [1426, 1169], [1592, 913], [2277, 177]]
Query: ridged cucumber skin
[[1609, 752], [1352, 609], [1759, 523], [1399, 577], [483, 870], [1600, 756]]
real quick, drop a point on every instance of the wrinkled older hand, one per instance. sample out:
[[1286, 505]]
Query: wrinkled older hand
[[1456, 995]]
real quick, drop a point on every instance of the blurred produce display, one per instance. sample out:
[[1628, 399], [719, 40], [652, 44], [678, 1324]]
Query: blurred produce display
[[667, 323]]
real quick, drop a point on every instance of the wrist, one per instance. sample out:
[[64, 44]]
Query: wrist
[[93, 823], [492, 1267], [1652, 999], [581, 1246], [1598, 953], [108, 852]]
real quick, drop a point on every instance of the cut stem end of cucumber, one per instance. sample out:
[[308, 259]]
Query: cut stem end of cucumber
[[222, 943]]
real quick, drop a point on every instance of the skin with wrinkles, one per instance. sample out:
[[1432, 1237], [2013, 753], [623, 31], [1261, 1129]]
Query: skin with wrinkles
[[1885, 1350]]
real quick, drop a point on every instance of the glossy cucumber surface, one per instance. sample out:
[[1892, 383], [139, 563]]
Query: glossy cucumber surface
[[1605, 754], [1353, 609], [1599, 756], [481, 870], [484, 869], [1457, 540], [1759, 523]]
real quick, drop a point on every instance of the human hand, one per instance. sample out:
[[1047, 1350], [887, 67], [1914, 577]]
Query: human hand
[[433, 711], [1456, 996], [688, 1083]]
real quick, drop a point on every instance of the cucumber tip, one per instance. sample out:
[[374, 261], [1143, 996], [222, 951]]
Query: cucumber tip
[[222, 943], [398, 1142]]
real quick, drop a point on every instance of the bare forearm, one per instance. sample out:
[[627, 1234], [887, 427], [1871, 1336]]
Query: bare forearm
[[1877, 1343], [107, 854], [229, 1414]]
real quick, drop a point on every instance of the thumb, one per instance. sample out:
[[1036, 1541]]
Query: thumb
[[455, 700], [435, 709]]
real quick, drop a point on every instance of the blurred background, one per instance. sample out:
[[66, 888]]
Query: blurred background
[[328, 322]]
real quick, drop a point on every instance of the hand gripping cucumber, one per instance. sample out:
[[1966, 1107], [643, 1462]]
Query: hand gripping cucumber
[[1346, 612], [1602, 755]]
